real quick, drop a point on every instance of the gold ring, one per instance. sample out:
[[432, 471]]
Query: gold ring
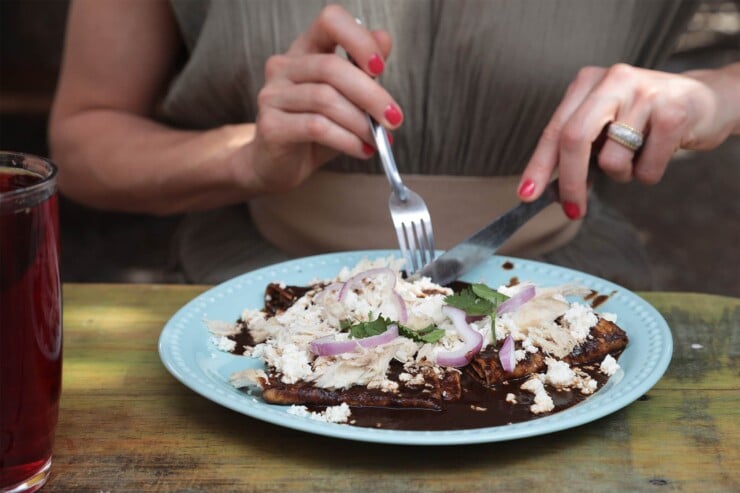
[[623, 134]]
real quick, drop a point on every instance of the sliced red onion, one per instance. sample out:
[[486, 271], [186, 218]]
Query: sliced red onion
[[328, 346], [331, 289], [357, 279], [401, 307], [506, 355], [513, 303], [472, 340]]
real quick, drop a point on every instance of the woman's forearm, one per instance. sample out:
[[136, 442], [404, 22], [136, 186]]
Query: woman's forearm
[[118, 161]]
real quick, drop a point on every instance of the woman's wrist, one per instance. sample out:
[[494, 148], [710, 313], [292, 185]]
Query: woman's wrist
[[725, 83]]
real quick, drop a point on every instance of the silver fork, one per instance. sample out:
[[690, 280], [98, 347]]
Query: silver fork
[[409, 212]]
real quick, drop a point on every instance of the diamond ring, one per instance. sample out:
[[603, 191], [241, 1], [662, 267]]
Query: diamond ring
[[623, 134]]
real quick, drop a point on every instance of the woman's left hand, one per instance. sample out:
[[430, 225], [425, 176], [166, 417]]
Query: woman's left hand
[[695, 110]]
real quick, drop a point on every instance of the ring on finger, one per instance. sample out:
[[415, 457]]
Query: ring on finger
[[625, 135]]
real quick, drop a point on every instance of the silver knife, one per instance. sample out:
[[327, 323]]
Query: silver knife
[[464, 256]]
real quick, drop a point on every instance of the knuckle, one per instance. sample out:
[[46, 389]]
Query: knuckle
[[323, 96], [587, 74], [316, 127], [329, 14], [649, 175], [612, 162], [274, 65], [645, 95], [572, 137], [551, 133], [265, 96], [671, 117], [620, 72]]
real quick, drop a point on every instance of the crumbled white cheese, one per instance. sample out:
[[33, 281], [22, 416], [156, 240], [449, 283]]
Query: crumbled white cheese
[[332, 414], [579, 320], [609, 366], [223, 343], [542, 400], [511, 398], [585, 383], [559, 374]]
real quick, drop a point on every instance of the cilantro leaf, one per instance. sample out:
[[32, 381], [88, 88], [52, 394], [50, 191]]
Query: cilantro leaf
[[467, 301], [360, 330], [429, 334], [476, 300], [485, 292]]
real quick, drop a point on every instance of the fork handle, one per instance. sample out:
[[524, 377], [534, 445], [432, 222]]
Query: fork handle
[[387, 160], [383, 145]]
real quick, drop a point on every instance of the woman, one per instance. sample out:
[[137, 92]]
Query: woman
[[486, 101]]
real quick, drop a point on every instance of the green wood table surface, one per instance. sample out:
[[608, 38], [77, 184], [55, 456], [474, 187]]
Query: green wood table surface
[[126, 424]]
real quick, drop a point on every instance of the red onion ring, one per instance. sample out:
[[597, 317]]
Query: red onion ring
[[472, 340], [513, 303], [328, 346], [328, 290], [357, 279], [506, 355]]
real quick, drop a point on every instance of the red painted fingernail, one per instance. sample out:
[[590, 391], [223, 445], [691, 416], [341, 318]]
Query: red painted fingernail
[[527, 188], [390, 138], [571, 210], [367, 149], [375, 65], [393, 115]]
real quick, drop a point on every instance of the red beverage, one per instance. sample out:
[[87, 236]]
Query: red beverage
[[30, 320]]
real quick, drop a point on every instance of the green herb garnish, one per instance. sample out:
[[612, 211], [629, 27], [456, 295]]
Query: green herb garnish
[[360, 330], [477, 300]]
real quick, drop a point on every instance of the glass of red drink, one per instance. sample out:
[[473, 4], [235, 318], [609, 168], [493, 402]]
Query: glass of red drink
[[30, 320]]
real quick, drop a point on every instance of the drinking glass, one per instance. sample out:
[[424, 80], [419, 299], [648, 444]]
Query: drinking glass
[[30, 320]]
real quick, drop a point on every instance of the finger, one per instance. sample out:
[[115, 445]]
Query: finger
[[580, 132], [616, 158], [544, 160], [317, 98], [351, 82], [282, 129], [666, 130], [333, 27]]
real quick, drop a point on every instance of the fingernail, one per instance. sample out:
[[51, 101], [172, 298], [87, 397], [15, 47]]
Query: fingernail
[[571, 210], [375, 65], [393, 115], [390, 138], [527, 188], [367, 149]]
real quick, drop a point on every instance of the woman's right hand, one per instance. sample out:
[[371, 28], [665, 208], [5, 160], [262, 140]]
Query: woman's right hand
[[313, 103]]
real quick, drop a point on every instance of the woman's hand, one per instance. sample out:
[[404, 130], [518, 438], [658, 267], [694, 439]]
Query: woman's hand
[[313, 103], [696, 110]]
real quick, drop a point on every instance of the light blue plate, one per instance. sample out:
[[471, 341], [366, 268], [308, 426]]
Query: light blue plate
[[186, 351]]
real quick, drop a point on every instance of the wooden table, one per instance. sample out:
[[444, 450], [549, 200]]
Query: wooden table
[[126, 424]]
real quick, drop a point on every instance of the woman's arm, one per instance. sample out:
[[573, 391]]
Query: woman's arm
[[120, 57]]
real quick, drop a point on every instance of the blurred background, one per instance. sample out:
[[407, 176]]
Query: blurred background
[[693, 242]]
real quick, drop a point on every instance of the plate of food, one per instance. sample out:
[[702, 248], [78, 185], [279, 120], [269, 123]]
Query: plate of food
[[344, 345]]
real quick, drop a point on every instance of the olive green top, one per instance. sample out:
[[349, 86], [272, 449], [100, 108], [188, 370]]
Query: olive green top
[[477, 80]]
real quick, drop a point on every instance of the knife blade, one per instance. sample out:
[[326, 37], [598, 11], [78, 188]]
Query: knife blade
[[461, 258], [475, 249]]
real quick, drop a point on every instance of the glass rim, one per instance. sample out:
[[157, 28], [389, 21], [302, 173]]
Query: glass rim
[[46, 186]]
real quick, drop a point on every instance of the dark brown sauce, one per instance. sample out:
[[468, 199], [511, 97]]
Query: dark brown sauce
[[598, 299], [479, 407], [507, 265], [513, 281]]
